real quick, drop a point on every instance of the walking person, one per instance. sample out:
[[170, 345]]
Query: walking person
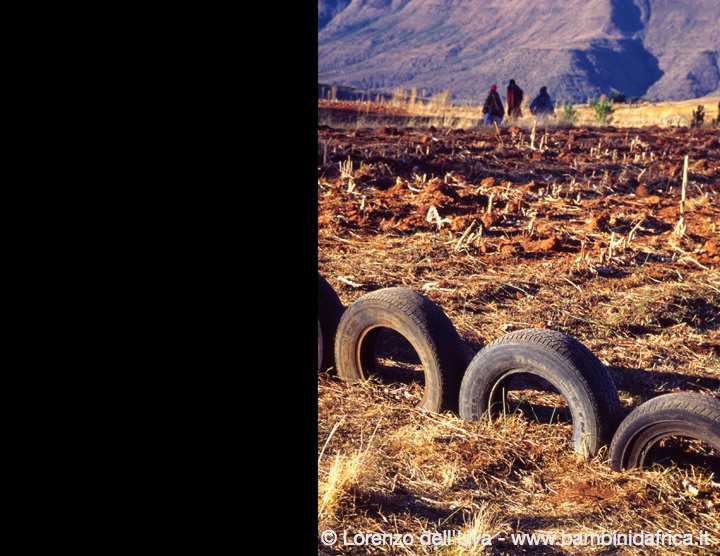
[[542, 105], [493, 107], [514, 100]]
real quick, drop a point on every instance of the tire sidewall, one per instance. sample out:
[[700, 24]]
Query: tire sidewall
[[320, 345], [330, 310], [631, 444], [491, 367], [353, 331]]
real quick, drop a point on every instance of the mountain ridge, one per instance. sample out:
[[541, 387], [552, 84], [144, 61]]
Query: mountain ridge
[[579, 49]]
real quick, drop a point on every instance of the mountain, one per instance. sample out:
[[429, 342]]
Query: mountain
[[328, 9], [579, 49]]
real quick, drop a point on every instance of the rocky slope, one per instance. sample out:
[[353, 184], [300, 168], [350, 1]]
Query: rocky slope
[[657, 49]]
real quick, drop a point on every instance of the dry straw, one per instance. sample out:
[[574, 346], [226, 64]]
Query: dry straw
[[581, 237]]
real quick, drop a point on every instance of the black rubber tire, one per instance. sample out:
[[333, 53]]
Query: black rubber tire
[[422, 323], [678, 414], [330, 309], [561, 360]]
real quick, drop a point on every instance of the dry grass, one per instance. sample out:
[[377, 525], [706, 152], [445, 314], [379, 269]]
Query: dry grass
[[663, 114], [487, 480], [567, 245], [439, 113], [345, 473]]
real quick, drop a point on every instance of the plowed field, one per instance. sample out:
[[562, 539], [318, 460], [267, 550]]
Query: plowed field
[[610, 235]]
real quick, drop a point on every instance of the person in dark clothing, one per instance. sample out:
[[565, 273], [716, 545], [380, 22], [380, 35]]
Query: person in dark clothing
[[541, 105], [493, 107], [514, 100]]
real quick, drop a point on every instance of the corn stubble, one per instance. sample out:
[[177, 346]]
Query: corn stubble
[[611, 237]]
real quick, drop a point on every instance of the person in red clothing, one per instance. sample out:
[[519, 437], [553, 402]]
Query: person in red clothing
[[493, 107], [514, 100]]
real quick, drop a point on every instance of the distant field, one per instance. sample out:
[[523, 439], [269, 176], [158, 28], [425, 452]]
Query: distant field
[[405, 109], [663, 114]]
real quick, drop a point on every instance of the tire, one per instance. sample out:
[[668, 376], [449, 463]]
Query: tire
[[679, 414], [569, 366], [330, 309], [421, 323]]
